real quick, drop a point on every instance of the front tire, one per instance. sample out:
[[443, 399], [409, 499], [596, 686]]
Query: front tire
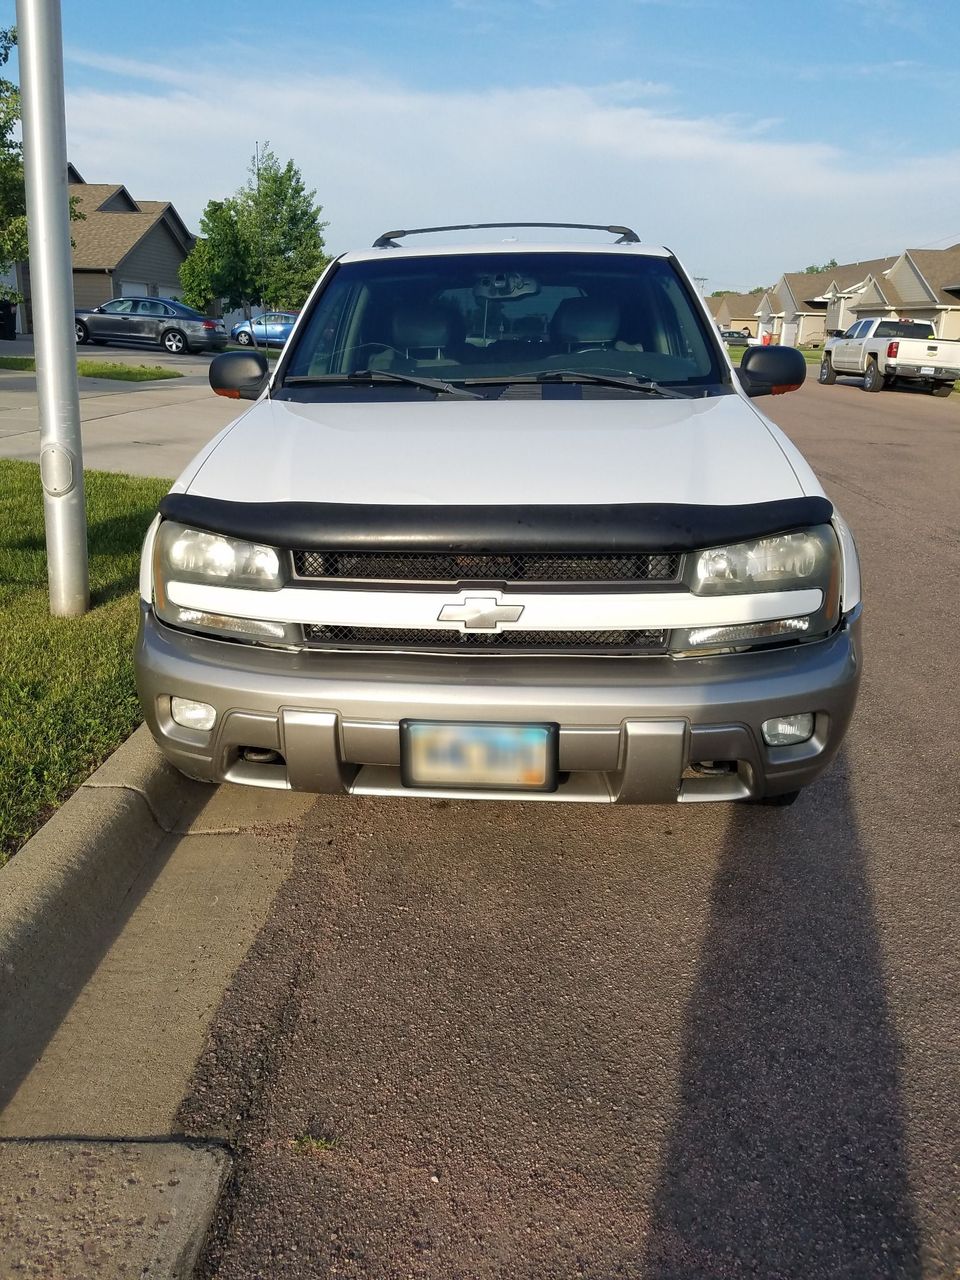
[[244, 338], [174, 342], [828, 374], [873, 378], [82, 332], [942, 389]]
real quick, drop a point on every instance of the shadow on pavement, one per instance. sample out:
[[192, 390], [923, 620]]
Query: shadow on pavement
[[787, 1154]]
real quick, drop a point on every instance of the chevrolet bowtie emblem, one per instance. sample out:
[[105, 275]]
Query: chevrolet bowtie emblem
[[480, 613]]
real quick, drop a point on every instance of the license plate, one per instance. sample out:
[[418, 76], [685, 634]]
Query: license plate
[[927, 368], [496, 757]]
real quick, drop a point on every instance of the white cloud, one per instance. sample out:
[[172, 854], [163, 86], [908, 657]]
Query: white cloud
[[737, 203], [130, 68]]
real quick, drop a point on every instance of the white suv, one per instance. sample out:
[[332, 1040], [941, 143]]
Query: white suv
[[503, 522]]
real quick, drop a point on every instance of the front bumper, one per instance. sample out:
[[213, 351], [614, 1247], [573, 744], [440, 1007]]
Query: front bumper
[[631, 729]]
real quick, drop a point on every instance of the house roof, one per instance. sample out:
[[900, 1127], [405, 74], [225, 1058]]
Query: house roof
[[806, 287], [941, 270], [741, 304], [105, 236]]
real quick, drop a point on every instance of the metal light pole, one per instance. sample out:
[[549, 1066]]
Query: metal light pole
[[51, 275]]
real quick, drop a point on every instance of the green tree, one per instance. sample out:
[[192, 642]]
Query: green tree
[[262, 244], [220, 265], [13, 209], [284, 220], [815, 270], [13, 200], [722, 293]]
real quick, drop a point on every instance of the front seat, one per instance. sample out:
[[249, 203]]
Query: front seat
[[422, 331], [585, 324]]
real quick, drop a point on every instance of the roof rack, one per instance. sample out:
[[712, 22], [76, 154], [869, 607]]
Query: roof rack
[[389, 238]]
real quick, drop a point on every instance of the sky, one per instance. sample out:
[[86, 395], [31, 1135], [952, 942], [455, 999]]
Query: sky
[[752, 138]]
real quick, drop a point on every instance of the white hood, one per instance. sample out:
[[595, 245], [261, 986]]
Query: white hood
[[715, 451]]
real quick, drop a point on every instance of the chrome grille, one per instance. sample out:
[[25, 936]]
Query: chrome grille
[[447, 640], [403, 566]]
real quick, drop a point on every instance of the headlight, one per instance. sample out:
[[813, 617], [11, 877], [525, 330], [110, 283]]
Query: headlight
[[192, 555], [783, 562]]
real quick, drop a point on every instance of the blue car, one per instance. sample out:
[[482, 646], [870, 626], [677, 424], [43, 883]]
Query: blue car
[[269, 330]]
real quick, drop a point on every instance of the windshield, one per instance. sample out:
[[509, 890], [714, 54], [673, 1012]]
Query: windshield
[[487, 317]]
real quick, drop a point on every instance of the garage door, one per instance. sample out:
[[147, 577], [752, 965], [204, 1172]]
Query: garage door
[[132, 289]]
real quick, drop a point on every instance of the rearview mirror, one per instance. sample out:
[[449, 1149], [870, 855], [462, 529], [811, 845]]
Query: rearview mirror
[[771, 371], [239, 375]]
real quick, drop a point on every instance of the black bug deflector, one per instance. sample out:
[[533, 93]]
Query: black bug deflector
[[667, 527]]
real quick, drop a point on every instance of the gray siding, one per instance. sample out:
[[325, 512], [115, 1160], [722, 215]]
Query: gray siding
[[156, 260], [904, 280]]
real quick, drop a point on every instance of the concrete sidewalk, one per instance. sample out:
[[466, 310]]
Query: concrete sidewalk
[[121, 924]]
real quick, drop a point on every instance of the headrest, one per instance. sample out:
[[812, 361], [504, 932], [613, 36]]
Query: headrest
[[586, 320], [421, 325]]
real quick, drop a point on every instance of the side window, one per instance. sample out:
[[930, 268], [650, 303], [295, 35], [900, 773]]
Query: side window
[[150, 308], [119, 307]]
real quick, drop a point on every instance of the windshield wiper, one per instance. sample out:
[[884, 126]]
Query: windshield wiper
[[633, 383], [370, 377]]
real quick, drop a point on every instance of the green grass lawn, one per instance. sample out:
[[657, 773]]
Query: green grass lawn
[[67, 696], [272, 353], [101, 369], [812, 355]]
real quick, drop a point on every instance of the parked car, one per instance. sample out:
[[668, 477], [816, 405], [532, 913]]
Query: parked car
[[272, 329], [735, 337], [443, 555], [885, 350], [171, 325]]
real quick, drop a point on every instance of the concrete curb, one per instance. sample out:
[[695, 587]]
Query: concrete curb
[[66, 883]]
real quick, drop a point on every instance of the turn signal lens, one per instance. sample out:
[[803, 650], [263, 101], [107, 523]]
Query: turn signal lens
[[744, 632]]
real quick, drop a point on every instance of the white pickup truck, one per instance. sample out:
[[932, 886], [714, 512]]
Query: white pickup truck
[[883, 350]]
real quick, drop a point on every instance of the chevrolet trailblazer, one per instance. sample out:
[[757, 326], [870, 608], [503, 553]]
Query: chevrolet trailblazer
[[503, 522]]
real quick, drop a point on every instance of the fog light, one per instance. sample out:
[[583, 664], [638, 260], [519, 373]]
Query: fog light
[[192, 715], [787, 731]]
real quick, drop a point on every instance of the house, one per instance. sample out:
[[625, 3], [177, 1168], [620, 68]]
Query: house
[[793, 312], [842, 286], [919, 284], [122, 247], [736, 311]]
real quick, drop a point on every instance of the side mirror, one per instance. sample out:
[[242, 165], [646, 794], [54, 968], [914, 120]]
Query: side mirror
[[239, 375], [771, 371]]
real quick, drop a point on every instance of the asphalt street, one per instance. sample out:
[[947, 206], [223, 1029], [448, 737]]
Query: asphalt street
[[141, 428], [483, 1040]]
